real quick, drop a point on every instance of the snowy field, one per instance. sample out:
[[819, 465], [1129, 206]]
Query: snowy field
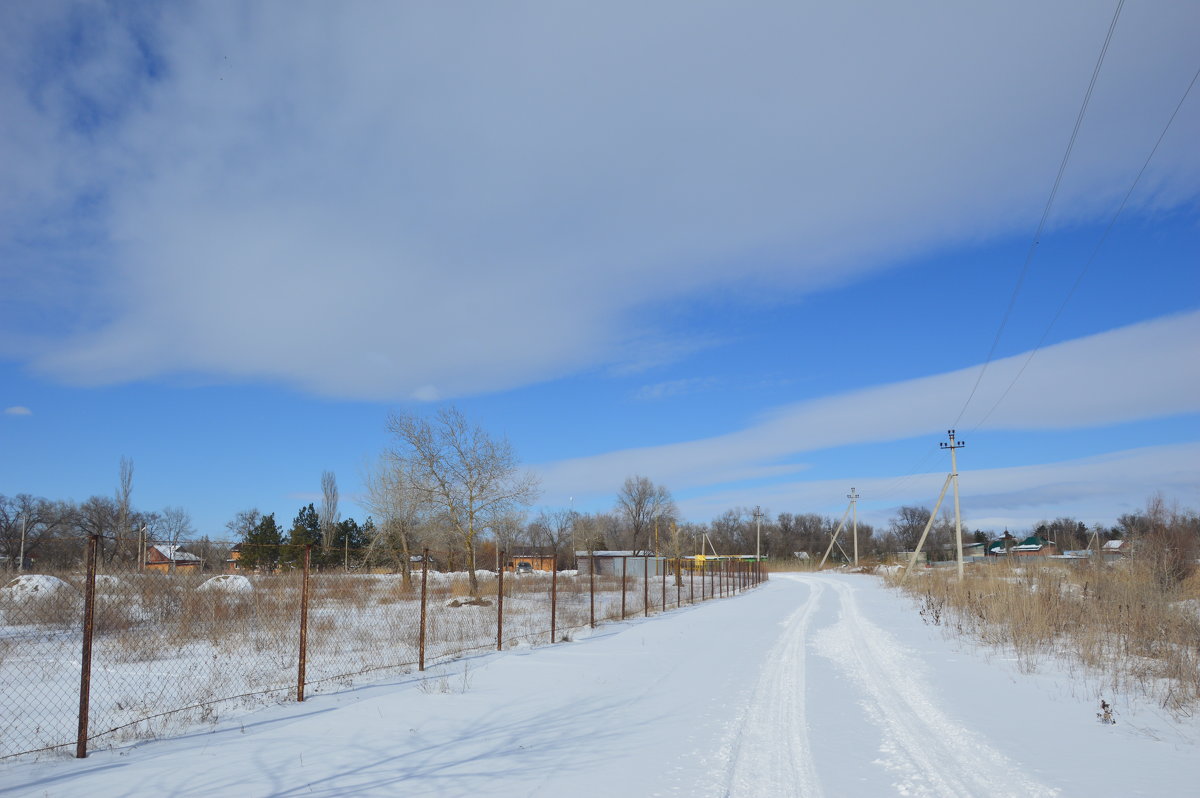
[[170, 652], [812, 685]]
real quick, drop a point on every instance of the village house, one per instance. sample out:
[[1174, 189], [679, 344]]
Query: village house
[[233, 561], [167, 557]]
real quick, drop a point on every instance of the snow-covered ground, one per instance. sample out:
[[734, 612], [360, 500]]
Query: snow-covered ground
[[812, 685]]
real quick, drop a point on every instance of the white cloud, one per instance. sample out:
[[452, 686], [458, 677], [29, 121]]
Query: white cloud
[[17, 410], [1142, 371], [385, 201]]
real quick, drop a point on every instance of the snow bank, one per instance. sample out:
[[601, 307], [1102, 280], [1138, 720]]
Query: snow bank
[[227, 583], [37, 587]]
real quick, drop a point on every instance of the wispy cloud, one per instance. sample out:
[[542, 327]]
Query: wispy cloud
[[17, 410], [432, 185], [664, 390], [1136, 372]]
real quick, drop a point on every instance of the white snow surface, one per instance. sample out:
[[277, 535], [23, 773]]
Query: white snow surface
[[813, 685]]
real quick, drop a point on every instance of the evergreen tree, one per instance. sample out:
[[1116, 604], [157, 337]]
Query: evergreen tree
[[347, 548], [305, 531], [261, 547]]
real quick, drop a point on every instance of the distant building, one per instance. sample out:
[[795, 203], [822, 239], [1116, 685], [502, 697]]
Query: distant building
[[525, 562], [1035, 546], [233, 562], [616, 563], [167, 557]]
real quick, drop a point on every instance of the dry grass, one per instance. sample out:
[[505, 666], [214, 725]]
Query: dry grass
[[1130, 629]]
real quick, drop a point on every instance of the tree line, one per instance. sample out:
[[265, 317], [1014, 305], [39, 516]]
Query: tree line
[[447, 485]]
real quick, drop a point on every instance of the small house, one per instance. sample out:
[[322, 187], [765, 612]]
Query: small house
[[168, 557], [1117, 548], [233, 562], [1035, 546]]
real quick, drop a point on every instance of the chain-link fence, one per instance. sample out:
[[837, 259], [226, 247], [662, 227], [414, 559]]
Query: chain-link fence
[[134, 647]]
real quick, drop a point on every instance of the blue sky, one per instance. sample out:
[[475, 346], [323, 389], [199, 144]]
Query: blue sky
[[758, 253]]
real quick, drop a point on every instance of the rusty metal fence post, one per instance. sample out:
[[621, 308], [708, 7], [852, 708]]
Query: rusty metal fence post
[[553, 597], [592, 587], [424, 594], [692, 583], [303, 658], [500, 603], [85, 657]]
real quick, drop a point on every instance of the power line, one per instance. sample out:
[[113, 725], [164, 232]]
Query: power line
[[1095, 251], [1037, 236]]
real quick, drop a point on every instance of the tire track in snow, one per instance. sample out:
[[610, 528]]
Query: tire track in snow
[[771, 755], [928, 753]]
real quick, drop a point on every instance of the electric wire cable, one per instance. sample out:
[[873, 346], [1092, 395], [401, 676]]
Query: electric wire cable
[[1095, 251], [1037, 236]]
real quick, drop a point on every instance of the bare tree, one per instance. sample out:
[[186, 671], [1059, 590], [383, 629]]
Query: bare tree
[[463, 472], [554, 531], [392, 499], [99, 515], [174, 526], [508, 533], [642, 503], [27, 523], [593, 532], [329, 510], [908, 524], [242, 524], [124, 492]]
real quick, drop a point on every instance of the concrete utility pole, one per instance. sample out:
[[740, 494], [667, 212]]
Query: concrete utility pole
[[854, 497], [757, 534], [21, 556], [953, 447]]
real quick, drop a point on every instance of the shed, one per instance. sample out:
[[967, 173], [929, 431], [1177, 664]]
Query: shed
[[614, 563], [539, 562]]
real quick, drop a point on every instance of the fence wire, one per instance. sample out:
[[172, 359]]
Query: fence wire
[[171, 645]]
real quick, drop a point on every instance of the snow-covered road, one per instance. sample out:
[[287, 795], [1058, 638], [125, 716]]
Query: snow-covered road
[[812, 685]]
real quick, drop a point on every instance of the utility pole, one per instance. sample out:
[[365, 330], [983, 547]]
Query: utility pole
[[21, 556], [757, 534], [854, 497], [953, 447]]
